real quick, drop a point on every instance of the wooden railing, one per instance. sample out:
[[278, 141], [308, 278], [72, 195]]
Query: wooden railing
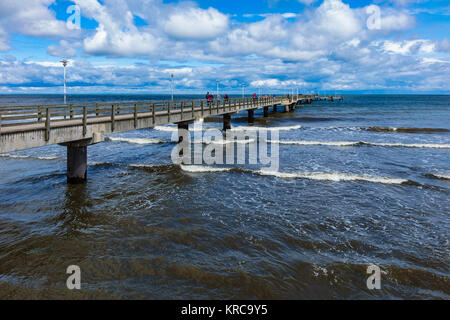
[[13, 116]]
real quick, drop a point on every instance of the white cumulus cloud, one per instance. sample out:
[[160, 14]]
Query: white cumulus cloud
[[196, 23]]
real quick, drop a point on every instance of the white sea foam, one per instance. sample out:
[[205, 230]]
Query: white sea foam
[[136, 140], [197, 168], [315, 143], [248, 128], [331, 177], [412, 145], [440, 176], [98, 163], [166, 128], [234, 141], [355, 143], [173, 129], [16, 156], [321, 176]]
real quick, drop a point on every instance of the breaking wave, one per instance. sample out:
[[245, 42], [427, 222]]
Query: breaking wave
[[173, 129], [438, 176], [233, 141], [136, 140], [321, 176], [332, 177], [194, 168], [248, 128], [405, 129], [15, 156], [361, 143]]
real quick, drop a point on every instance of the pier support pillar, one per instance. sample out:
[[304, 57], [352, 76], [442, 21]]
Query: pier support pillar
[[286, 108], [292, 107], [183, 133], [76, 163], [181, 127], [274, 108], [251, 116], [266, 112], [226, 122]]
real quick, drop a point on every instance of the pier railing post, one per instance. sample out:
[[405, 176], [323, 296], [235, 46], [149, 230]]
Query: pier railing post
[[153, 114], [168, 111], [84, 121], [113, 112], [182, 107], [47, 124], [135, 115], [193, 110], [201, 106], [40, 114], [0, 123]]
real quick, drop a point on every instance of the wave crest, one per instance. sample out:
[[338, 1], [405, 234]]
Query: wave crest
[[360, 143], [248, 128], [321, 176], [16, 156], [136, 140]]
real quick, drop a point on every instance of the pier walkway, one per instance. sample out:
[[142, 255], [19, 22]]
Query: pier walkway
[[78, 125]]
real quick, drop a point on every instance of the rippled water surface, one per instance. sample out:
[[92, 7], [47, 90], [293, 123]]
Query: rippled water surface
[[363, 181]]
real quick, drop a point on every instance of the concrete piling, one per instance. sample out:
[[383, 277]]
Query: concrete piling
[[183, 129], [251, 116], [76, 163], [226, 122]]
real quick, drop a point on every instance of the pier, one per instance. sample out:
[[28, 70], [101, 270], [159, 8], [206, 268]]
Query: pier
[[76, 126]]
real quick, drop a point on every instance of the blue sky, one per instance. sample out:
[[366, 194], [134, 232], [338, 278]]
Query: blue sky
[[132, 46]]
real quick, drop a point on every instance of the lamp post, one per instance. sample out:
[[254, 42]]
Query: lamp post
[[217, 89], [171, 85], [64, 62]]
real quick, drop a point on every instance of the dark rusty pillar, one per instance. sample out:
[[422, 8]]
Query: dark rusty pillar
[[266, 112], [183, 130], [182, 126], [226, 122], [251, 116], [275, 109], [76, 163]]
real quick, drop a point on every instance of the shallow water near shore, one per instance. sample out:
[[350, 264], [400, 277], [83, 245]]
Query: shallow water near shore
[[363, 181]]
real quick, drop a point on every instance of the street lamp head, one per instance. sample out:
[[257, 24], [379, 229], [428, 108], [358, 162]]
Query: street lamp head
[[64, 62]]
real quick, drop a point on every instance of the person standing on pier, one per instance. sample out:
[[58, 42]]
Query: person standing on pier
[[209, 98]]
